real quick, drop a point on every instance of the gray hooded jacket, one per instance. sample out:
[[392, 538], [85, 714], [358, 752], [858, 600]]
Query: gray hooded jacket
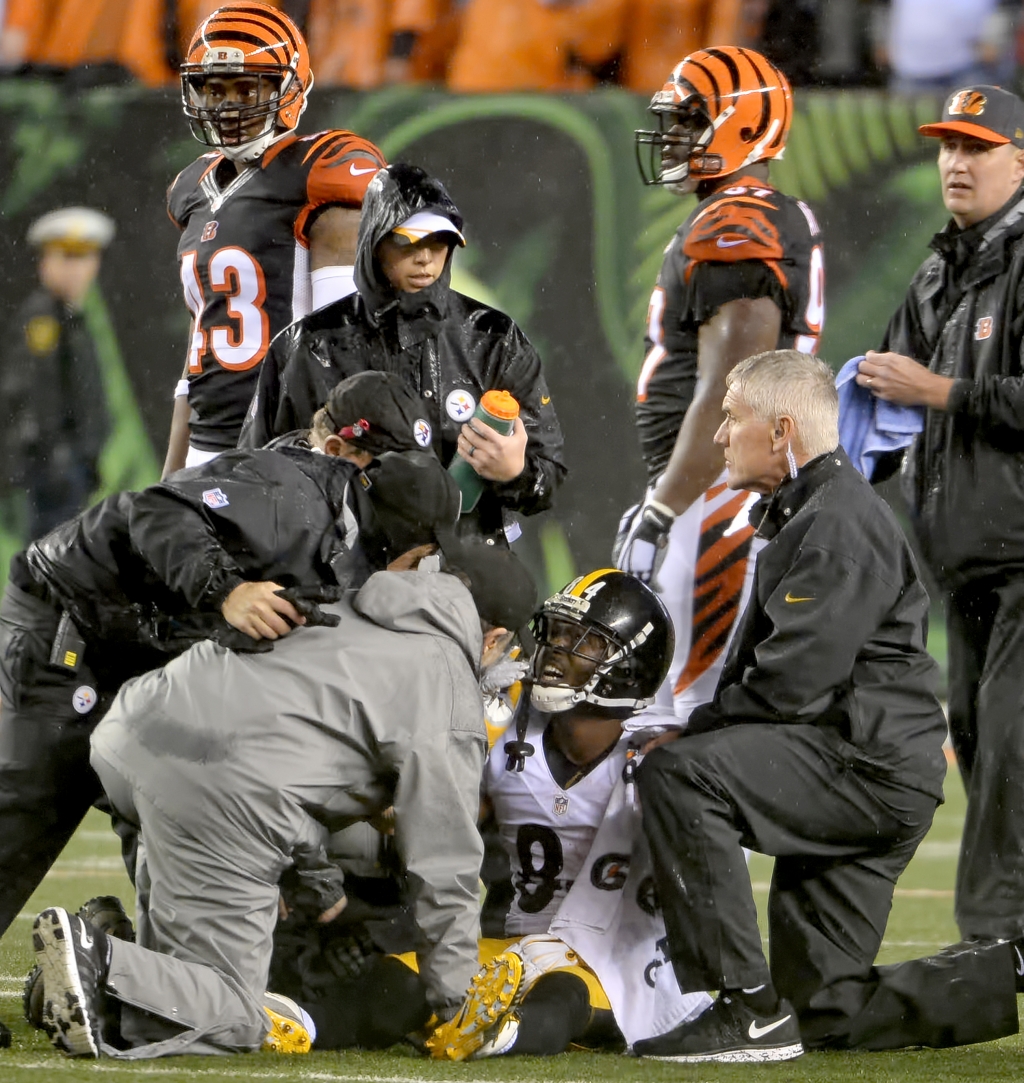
[[332, 727]]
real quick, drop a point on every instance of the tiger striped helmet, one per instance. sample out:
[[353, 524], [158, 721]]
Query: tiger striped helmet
[[722, 109], [245, 79]]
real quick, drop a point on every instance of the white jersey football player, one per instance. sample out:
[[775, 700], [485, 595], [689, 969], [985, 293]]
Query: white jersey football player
[[584, 961]]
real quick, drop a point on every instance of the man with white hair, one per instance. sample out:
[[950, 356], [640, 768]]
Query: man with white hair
[[823, 748]]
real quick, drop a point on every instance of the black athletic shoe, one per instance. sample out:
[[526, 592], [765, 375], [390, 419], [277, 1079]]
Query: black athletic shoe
[[729, 1032], [104, 912], [74, 958]]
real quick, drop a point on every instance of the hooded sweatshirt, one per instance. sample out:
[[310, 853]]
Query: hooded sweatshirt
[[449, 348], [332, 727]]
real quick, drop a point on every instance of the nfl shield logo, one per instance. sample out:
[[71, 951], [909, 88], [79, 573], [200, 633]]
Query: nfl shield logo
[[215, 498], [561, 805]]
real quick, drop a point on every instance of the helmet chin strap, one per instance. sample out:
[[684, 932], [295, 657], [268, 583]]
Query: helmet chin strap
[[245, 153], [552, 698]]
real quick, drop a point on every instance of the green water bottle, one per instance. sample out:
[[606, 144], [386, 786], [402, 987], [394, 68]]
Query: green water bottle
[[499, 410]]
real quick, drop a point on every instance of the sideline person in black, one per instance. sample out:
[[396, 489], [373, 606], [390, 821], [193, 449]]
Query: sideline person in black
[[823, 748], [135, 580], [449, 348], [955, 347], [52, 401]]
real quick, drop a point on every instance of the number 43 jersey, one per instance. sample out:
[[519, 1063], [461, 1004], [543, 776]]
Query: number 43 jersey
[[747, 240], [546, 830], [244, 260]]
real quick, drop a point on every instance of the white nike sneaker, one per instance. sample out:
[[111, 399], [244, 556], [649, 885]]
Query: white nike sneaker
[[731, 1033]]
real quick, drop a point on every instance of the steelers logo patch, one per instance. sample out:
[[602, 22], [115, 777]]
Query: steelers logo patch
[[460, 405], [84, 699], [41, 333], [421, 432]]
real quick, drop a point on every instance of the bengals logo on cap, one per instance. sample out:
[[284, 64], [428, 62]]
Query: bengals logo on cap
[[969, 103]]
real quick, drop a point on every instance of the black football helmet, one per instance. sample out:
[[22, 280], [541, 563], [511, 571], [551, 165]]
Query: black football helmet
[[630, 618]]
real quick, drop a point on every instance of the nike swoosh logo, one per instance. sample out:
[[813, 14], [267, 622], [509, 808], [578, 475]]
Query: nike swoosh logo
[[756, 1032], [723, 243], [359, 172], [87, 941], [1020, 962], [791, 599]]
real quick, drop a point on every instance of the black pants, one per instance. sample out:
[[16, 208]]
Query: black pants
[[840, 838], [985, 621], [46, 783]]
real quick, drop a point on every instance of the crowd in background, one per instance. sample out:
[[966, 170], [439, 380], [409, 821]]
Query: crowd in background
[[551, 45]]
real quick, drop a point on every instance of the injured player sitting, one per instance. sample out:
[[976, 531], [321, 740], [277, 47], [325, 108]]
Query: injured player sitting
[[585, 963]]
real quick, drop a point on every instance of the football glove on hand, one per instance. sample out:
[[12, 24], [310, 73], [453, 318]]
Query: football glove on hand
[[642, 539], [306, 600]]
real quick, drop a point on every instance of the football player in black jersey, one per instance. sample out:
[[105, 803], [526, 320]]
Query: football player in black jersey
[[268, 219], [743, 274]]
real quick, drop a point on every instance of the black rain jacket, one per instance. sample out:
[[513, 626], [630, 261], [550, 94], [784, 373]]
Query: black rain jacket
[[834, 633], [149, 570], [963, 476], [440, 341]]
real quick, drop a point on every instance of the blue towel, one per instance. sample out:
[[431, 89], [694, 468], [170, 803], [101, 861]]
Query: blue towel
[[869, 427]]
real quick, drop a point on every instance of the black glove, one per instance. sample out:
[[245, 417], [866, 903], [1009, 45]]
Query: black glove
[[309, 892], [307, 601]]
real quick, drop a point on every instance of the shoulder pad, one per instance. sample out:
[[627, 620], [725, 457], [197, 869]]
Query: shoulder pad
[[737, 227]]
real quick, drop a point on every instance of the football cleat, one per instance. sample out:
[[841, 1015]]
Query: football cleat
[[729, 1032], [480, 1018], [73, 957], [103, 912], [291, 1029]]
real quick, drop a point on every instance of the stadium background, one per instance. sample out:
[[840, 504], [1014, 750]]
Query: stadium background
[[562, 236]]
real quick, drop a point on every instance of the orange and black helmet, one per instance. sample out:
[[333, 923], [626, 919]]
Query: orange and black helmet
[[257, 43], [722, 109]]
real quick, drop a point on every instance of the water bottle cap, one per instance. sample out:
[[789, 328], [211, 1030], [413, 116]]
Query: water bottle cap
[[500, 404]]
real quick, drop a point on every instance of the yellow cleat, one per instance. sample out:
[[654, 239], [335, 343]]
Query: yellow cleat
[[288, 1033], [492, 993]]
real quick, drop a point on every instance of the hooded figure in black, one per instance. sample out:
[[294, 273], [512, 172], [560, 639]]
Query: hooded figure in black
[[448, 347]]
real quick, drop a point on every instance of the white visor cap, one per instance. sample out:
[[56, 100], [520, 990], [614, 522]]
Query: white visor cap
[[423, 224]]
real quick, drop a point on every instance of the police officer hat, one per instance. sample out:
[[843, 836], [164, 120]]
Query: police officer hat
[[75, 229]]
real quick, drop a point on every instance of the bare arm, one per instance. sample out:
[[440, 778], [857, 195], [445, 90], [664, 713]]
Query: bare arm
[[332, 238], [738, 330], [177, 443]]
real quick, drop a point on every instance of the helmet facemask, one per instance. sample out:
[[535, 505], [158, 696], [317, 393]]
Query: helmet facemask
[[241, 131], [597, 655], [677, 151]]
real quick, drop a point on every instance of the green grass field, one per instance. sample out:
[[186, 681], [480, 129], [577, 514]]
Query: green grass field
[[921, 922]]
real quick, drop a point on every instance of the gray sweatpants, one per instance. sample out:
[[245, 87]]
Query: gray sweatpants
[[194, 982]]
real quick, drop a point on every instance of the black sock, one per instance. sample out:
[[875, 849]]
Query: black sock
[[554, 1013], [374, 1011], [764, 1001]]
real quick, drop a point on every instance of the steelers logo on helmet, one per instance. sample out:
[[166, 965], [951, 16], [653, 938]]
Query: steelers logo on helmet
[[421, 432], [721, 110], [460, 405], [245, 79], [620, 632]]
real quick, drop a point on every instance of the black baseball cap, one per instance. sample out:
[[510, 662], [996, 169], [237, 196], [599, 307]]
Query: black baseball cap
[[414, 500], [986, 112], [503, 589], [378, 412]]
